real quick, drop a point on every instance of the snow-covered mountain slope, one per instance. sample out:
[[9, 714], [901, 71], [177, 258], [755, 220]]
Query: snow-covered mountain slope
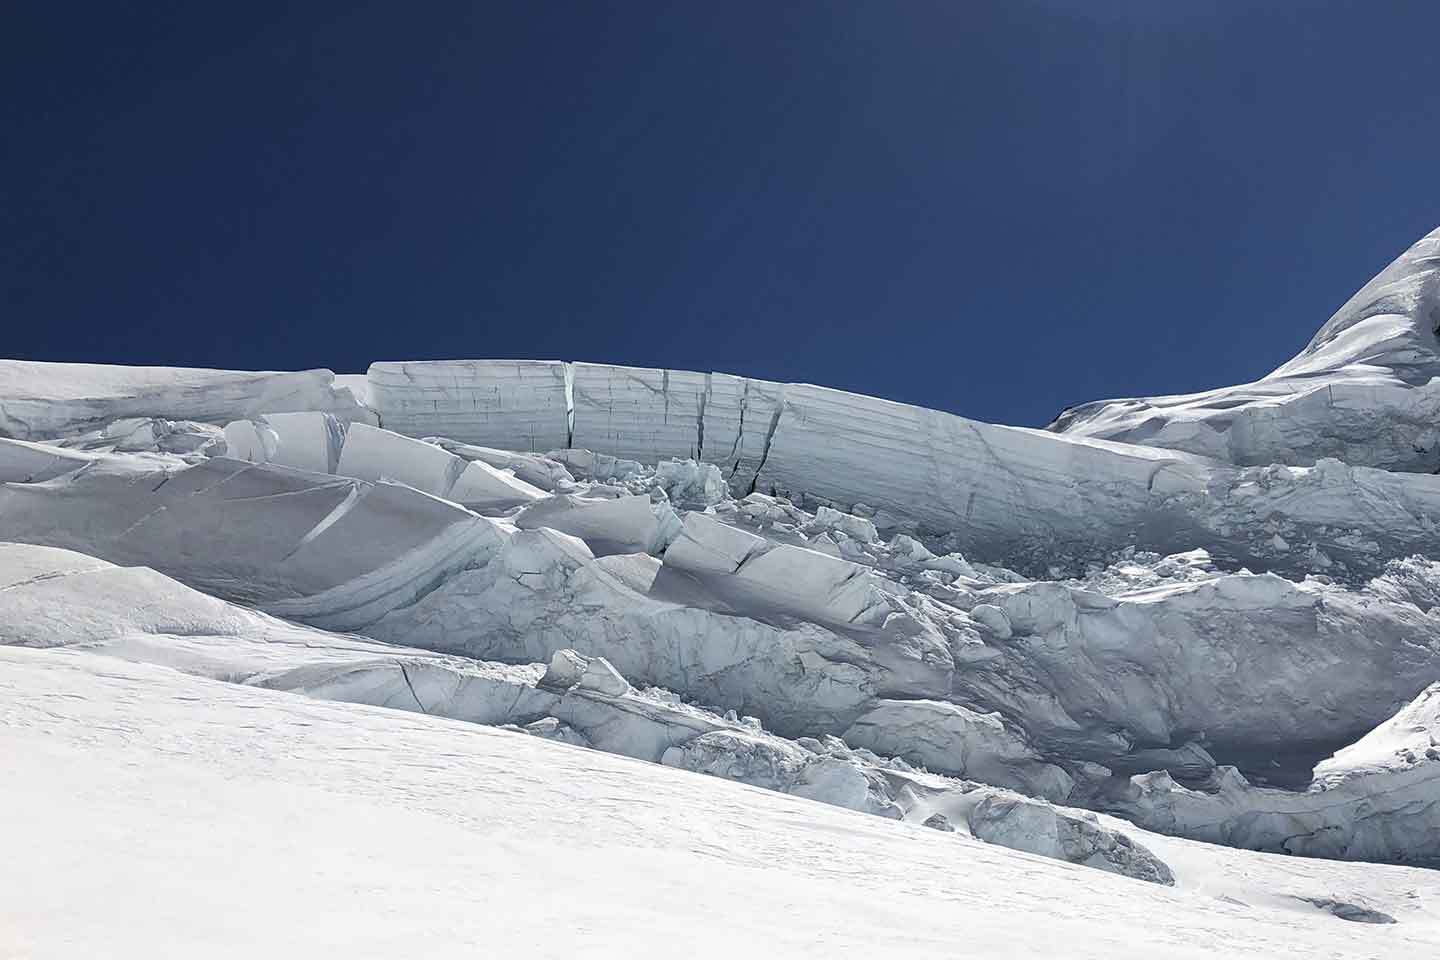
[[991, 641], [809, 622], [51, 598], [165, 815], [1365, 390], [333, 551]]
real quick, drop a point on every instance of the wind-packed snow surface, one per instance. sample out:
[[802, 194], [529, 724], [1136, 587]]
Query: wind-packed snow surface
[[163, 815], [348, 613]]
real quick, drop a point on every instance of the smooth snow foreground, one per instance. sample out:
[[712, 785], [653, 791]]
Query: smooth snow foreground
[[151, 814]]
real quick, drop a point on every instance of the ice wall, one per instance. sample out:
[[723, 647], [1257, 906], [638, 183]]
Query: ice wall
[[638, 414], [740, 416], [1027, 497], [40, 401], [513, 404]]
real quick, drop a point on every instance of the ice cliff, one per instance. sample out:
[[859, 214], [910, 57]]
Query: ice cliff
[[1215, 617]]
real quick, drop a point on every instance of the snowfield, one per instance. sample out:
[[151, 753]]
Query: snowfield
[[549, 658], [152, 814]]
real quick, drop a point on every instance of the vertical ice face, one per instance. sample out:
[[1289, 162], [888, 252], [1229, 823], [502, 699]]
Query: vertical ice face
[[1025, 497], [305, 441], [740, 414], [513, 404], [1000, 485], [650, 415], [632, 413], [941, 470], [637, 413]]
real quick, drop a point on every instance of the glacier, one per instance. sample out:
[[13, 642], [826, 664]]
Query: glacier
[[1365, 389], [1163, 639]]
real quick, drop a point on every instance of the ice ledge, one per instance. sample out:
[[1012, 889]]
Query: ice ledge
[[1027, 498], [40, 401]]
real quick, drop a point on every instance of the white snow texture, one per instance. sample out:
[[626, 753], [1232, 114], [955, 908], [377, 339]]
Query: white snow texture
[[427, 660]]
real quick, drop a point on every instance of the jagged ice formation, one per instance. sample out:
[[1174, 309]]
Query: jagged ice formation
[[1215, 617]]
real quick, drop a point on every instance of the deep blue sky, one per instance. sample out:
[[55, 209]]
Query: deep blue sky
[[996, 207]]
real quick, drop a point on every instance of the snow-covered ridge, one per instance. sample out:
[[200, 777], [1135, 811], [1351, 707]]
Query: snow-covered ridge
[[1365, 389], [1029, 497], [1198, 472], [1026, 497]]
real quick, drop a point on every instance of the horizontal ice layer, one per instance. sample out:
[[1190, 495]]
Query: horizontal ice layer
[[334, 552], [740, 414], [632, 413], [513, 404], [1036, 499], [1024, 497], [1005, 490], [45, 400], [637, 413], [544, 591], [352, 555], [58, 598], [23, 462], [344, 554], [1365, 390]]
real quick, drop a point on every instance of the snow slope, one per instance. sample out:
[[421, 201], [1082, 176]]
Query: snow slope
[[1217, 617], [1365, 389], [163, 815]]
